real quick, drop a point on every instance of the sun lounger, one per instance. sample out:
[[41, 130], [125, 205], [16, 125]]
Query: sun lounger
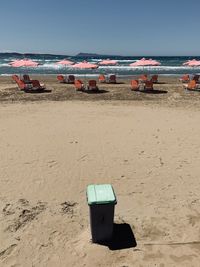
[[61, 78], [92, 85], [135, 85], [185, 78], [148, 86], [143, 78], [112, 78], [154, 79], [35, 85], [15, 77], [67, 79], [23, 86], [196, 78], [70, 78], [78, 85], [102, 78], [192, 85], [26, 78]]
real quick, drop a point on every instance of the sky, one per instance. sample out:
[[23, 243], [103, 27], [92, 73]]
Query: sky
[[117, 27]]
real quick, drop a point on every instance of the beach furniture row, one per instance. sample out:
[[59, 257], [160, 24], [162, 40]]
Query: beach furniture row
[[142, 83], [111, 78]]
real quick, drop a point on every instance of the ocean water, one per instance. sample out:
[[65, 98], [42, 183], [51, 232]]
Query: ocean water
[[47, 65]]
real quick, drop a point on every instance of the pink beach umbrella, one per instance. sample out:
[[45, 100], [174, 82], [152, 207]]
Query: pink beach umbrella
[[65, 62], [145, 62], [192, 63], [23, 63], [85, 65], [108, 62]]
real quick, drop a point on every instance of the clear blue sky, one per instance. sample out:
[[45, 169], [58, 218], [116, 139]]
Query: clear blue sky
[[123, 27]]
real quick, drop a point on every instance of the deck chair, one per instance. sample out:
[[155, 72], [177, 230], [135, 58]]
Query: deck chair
[[26, 78], [78, 85], [185, 78], [135, 85], [112, 78], [143, 78], [61, 78], [154, 79], [192, 85], [15, 77], [92, 85], [148, 86], [196, 78], [37, 86], [71, 78], [23, 86], [102, 78]]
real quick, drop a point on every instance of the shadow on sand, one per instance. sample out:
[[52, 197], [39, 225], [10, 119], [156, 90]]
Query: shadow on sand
[[37, 91], [160, 83], [98, 91], [123, 238], [154, 92]]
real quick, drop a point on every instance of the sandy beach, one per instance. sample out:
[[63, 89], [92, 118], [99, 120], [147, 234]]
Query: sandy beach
[[168, 92], [54, 144]]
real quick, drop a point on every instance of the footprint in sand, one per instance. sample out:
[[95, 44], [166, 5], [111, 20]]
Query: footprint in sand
[[6, 252], [52, 163], [22, 213], [68, 207]]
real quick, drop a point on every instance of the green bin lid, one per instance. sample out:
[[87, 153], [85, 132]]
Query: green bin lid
[[100, 194]]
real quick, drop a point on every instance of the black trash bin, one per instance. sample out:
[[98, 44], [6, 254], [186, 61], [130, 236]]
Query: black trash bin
[[101, 200]]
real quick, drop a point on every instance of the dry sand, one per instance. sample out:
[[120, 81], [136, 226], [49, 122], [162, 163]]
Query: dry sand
[[50, 152]]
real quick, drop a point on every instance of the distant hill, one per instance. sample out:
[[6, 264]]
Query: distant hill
[[31, 55]]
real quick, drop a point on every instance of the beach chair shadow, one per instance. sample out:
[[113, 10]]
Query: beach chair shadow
[[97, 91], [154, 92], [161, 83], [39, 91], [123, 238]]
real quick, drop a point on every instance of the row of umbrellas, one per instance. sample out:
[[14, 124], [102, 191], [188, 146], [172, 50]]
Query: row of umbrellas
[[87, 65], [84, 64]]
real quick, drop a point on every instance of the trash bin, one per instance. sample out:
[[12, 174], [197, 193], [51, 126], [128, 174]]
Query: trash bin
[[101, 200]]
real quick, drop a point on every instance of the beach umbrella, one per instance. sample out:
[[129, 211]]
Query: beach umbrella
[[85, 65], [65, 62], [192, 63], [23, 63], [145, 62], [108, 62]]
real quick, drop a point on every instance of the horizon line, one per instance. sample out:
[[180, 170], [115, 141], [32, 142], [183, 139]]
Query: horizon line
[[93, 54]]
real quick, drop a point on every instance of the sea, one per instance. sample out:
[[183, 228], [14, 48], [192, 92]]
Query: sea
[[170, 65]]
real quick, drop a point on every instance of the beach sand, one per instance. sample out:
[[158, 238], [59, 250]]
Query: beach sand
[[146, 146], [168, 92]]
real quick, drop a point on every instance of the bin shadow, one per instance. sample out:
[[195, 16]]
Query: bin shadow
[[123, 238]]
